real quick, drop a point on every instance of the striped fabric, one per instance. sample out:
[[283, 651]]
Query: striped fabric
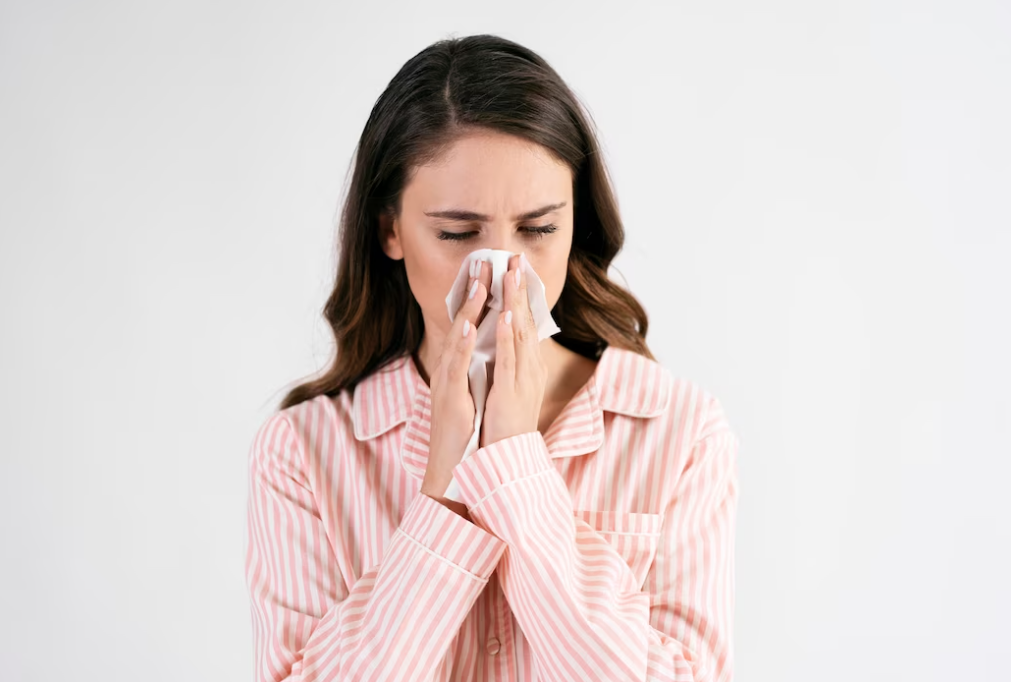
[[600, 550]]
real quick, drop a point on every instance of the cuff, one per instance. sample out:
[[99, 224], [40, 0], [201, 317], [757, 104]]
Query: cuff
[[499, 463], [452, 537]]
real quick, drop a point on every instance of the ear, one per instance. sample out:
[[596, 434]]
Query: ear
[[389, 235]]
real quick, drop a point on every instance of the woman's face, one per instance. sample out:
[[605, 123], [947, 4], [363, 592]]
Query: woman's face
[[489, 190]]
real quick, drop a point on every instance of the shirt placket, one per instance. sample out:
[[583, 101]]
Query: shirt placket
[[500, 646]]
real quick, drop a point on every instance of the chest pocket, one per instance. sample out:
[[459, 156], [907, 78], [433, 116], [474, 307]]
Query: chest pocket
[[633, 535]]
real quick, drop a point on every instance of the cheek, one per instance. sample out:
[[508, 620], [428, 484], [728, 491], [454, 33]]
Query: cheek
[[430, 276], [551, 265]]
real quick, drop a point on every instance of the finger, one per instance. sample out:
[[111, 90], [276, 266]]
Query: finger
[[473, 301], [458, 346], [482, 270], [505, 340], [524, 296], [509, 292], [458, 367], [524, 330], [505, 350]]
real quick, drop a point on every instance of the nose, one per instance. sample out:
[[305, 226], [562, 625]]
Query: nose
[[507, 239]]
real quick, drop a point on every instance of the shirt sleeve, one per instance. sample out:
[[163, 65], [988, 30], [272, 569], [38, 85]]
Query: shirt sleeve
[[395, 622], [575, 598]]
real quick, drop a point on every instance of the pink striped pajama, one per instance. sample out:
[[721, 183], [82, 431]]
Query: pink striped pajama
[[600, 550]]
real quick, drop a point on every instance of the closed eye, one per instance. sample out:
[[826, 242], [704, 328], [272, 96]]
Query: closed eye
[[534, 232]]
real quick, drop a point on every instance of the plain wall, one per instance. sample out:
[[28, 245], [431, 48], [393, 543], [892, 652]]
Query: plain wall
[[816, 204]]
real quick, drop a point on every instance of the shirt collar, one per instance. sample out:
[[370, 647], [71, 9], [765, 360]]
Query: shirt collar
[[623, 382]]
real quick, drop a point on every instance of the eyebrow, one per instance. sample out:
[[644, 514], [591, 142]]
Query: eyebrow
[[470, 216]]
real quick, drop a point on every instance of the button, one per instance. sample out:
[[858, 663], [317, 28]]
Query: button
[[493, 646]]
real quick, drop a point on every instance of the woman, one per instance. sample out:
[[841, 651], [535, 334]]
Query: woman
[[595, 539]]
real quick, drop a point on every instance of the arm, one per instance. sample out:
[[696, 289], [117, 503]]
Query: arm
[[573, 595], [398, 619]]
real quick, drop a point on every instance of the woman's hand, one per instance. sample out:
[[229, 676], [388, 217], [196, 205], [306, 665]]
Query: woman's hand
[[453, 410], [514, 401]]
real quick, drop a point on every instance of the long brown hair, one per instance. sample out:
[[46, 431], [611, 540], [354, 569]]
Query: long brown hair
[[475, 81]]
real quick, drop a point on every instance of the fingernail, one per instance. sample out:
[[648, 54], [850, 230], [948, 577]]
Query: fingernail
[[518, 272], [473, 265], [473, 289], [509, 317], [466, 328], [523, 259]]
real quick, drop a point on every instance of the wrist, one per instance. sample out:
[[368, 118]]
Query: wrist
[[435, 485], [454, 506]]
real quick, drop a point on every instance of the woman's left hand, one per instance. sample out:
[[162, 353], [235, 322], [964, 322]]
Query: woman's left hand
[[520, 376]]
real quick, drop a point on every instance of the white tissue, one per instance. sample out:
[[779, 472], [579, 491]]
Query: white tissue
[[483, 356]]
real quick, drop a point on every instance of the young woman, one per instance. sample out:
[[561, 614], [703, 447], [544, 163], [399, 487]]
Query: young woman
[[595, 539]]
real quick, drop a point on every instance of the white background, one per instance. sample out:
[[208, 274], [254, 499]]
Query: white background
[[816, 196]]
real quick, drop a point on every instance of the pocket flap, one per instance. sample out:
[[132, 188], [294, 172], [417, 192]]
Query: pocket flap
[[633, 535], [631, 523]]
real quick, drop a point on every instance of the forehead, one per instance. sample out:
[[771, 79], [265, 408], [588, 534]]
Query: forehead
[[489, 172]]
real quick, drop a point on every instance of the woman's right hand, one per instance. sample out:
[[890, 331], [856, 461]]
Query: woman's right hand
[[453, 411]]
